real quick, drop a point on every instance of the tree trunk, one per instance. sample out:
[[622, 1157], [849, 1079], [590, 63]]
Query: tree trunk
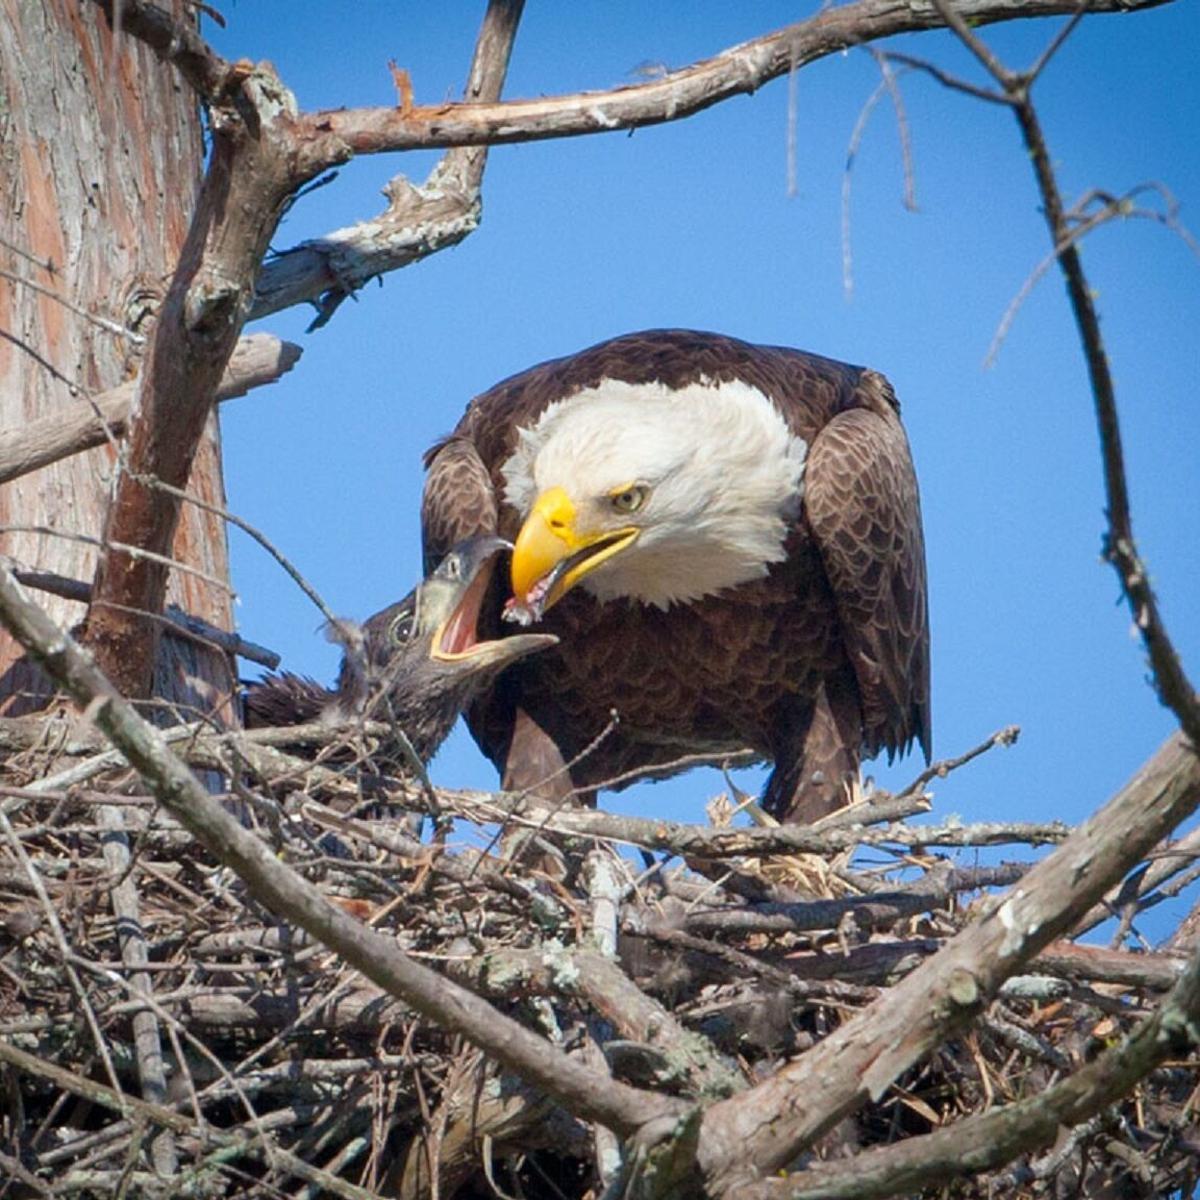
[[102, 156]]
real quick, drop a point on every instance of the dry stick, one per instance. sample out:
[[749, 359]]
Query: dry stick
[[418, 221], [335, 623], [149, 1004], [604, 886], [64, 949], [1080, 225], [981, 1143], [1170, 682], [840, 831], [765, 1128], [939, 770], [423, 220], [1170, 860], [42, 290], [142, 1112], [132, 940], [141, 555], [886, 85], [257, 359], [623, 1108], [738, 71], [676, 837], [185, 624]]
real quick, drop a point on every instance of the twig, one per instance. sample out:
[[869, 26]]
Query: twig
[[132, 940], [979, 1143], [867, 1053], [187, 624], [64, 950], [1171, 683], [100, 322], [136, 552], [274, 884], [939, 770]]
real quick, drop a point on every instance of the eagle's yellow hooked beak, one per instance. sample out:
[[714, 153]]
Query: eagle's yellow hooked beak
[[551, 547]]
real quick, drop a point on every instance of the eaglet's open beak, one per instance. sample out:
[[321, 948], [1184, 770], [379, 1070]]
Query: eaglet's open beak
[[551, 555], [456, 637]]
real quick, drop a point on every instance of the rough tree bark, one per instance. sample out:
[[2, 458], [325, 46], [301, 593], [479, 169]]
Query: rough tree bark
[[102, 158]]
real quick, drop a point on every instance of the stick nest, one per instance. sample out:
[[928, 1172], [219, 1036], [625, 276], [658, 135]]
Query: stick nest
[[164, 1036]]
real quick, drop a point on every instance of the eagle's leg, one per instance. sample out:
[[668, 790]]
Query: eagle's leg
[[816, 756], [535, 766]]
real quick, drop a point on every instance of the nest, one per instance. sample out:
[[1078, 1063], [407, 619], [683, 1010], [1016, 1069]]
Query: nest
[[163, 1035]]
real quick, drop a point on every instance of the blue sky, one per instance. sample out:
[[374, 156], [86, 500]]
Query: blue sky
[[692, 224]]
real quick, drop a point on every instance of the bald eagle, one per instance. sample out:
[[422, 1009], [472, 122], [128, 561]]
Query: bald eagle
[[419, 663], [725, 538]]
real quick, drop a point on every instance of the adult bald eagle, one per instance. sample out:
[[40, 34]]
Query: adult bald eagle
[[726, 539]]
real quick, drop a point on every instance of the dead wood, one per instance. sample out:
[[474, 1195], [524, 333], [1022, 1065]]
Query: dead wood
[[319, 1053]]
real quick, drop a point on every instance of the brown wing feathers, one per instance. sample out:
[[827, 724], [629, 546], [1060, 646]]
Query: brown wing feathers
[[830, 652]]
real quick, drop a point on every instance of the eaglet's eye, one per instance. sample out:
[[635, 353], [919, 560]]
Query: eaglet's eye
[[628, 499], [400, 630]]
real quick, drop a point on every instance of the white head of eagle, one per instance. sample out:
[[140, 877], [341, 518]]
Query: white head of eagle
[[661, 495]]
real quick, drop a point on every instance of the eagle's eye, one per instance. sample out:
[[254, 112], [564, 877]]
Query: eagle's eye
[[401, 628], [628, 499]]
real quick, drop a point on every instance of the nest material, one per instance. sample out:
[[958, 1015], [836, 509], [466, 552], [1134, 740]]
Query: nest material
[[131, 965]]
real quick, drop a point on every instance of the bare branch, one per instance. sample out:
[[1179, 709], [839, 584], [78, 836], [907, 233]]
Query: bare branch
[[186, 624], [678, 94], [418, 221], [980, 1143], [276, 885], [862, 1057], [1172, 684], [258, 359], [177, 42], [939, 770]]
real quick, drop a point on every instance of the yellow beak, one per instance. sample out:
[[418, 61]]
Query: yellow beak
[[550, 545]]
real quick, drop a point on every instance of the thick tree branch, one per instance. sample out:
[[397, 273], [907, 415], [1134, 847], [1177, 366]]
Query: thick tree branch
[[262, 154], [272, 883], [765, 1128], [174, 41], [257, 359], [255, 164], [678, 94], [421, 220], [984, 1142]]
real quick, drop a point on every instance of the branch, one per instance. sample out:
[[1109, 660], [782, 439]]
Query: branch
[[418, 221], [1172, 684], [262, 154], [174, 41], [981, 1143], [292, 897], [676, 837], [156, 1114], [256, 360], [765, 1128], [254, 165], [183, 624], [678, 94]]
